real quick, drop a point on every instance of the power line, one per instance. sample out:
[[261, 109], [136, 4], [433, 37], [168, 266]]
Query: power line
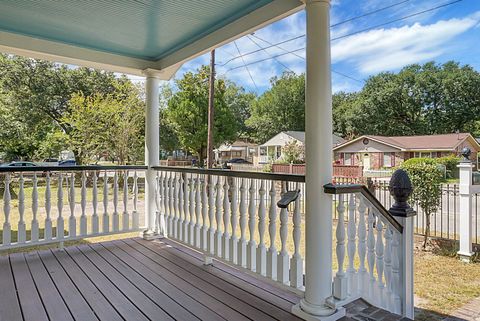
[[248, 70], [346, 35], [333, 39], [303, 58], [278, 61]]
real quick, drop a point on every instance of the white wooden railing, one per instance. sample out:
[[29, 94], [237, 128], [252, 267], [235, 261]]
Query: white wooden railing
[[41, 204], [234, 216], [372, 248]]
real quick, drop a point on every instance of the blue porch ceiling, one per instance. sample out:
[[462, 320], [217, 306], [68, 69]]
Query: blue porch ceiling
[[143, 29]]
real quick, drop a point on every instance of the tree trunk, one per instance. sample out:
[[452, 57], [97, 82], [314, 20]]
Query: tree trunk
[[426, 230]]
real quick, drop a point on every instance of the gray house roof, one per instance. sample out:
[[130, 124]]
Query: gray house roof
[[297, 135]]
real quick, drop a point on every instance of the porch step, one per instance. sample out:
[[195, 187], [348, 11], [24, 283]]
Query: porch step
[[359, 310]]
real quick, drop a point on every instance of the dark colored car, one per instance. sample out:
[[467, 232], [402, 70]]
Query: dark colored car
[[228, 164], [68, 162]]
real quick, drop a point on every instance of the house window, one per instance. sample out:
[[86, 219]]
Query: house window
[[348, 159], [423, 155], [236, 154], [388, 159]]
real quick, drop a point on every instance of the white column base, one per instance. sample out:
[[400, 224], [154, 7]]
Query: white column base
[[149, 235], [465, 256], [318, 313]]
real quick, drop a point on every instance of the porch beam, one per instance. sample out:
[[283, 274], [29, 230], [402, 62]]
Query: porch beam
[[152, 149], [318, 142]]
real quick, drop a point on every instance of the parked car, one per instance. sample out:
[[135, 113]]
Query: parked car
[[228, 164], [18, 164], [68, 162]]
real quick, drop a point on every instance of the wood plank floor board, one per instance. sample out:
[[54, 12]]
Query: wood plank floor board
[[52, 300], [138, 298], [254, 285], [201, 311], [272, 309], [9, 305], [214, 303], [75, 302], [230, 296], [177, 311], [99, 304], [283, 293], [31, 304], [116, 298]]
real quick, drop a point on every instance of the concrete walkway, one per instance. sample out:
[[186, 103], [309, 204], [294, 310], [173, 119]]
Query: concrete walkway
[[468, 312]]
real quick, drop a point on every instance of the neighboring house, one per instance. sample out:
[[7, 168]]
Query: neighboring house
[[238, 149], [272, 149], [377, 152]]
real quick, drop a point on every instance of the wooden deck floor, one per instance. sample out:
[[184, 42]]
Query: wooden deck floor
[[133, 279]]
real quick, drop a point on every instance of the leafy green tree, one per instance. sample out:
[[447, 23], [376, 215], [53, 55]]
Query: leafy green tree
[[279, 109], [239, 101], [110, 126], [187, 113], [292, 153], [426, 177]]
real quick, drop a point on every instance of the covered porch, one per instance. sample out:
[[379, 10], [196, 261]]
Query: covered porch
[[287, 275]]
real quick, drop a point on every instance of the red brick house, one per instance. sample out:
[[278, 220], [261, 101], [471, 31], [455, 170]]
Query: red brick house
[[376, 152]]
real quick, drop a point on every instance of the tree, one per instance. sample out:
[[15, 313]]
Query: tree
[[279, 109], [426, 178], [110, 126], [292, 152], [419, 100], [240, 101], [187, 113]]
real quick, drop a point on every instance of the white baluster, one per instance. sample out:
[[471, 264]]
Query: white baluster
[[340, 280], [175, 206], [35, 231], [185, 208], [388, 268], [48, 220], [226, 220], [262, 249], [106, 219], [170, 204], [242, 247], [164, 214], [272, 232], [204, 228], [379, 262], [283, 259], [125, 214], [135, 218], [252, 245], [362, 247], [181, 220], [371, 254], [296, 263], [159, 203], [198, 209], [22, 230], [234, 222], [72, 221], [60, 222], [351, 246], [116, 217], [218, 218], [7, 229], [83, 205], [211, 212], [95, 218], [396, 286], [191, 203]]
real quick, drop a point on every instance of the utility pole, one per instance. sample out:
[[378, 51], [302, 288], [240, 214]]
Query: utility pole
[[211, 110]]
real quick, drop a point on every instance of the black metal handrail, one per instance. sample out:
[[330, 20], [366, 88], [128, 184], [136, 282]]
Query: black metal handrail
[[230, 173], [362, 189], [16, 169]]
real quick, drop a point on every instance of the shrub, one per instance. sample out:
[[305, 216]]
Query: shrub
[[292, 153], [450, 162], [426, 177]]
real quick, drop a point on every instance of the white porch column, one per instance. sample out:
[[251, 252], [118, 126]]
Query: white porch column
[[318, 143], [152, 149], [465, 253]]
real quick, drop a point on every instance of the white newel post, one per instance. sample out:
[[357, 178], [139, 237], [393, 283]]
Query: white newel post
[[318, 131], [465, 253], [152, 151]]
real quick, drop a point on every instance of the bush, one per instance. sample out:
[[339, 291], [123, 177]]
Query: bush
[[450, 162], [426, 177]]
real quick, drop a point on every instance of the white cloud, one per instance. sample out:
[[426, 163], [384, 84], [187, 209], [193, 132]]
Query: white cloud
[[389, 49]]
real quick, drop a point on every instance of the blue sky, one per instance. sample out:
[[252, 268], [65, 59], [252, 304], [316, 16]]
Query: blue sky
[[449, 33]]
